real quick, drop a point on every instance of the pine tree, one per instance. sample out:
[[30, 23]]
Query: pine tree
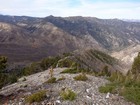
[[3, 61], [136, 65]]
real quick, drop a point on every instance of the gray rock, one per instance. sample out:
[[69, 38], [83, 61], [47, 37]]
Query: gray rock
[[108, 95], [58, 101]]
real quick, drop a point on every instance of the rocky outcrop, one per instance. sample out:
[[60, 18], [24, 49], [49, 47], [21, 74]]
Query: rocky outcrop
[[126, 56], [87, 92]]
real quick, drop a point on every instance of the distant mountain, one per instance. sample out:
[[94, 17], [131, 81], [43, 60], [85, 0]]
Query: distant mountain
[[28, 38], [112, 34], [131, 20]]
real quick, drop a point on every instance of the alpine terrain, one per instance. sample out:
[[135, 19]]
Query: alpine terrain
[[69, 61]]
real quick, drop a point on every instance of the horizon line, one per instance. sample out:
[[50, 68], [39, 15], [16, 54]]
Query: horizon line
[[66, 16]]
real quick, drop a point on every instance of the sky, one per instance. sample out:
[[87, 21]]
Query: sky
[[105, 9]]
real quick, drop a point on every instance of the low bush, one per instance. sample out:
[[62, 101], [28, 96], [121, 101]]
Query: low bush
[[36, 97], [75, 70], [70, 70], [48, 62], [66, 62], [104, 72], [51, 80], [81, 77], [127, 86], [132, 94], [111, 88], [68, 94]]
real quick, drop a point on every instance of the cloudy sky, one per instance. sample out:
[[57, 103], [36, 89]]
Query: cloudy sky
[[122, 9]]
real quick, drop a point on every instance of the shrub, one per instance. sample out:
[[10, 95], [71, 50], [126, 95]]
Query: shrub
[[117, 77], [108, 88], [136, 65], [66, 62], [77, 70], [13, 78], [68, 94], [32, 68], [70, 70], [3, 79], [67, 54], [48, 62], [113, 77], [81, 77], [3, 61], [132, 94], [104, 72], [51, 80], [36, 97], [127, 86]]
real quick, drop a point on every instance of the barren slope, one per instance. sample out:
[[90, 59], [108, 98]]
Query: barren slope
[[87, 92]]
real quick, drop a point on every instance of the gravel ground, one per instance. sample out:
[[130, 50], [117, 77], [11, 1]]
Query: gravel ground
[[87, 91]]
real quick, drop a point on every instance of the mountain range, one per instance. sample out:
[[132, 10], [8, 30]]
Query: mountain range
[[24, 38]]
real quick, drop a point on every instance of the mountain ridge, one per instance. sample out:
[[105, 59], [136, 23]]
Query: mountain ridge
[[36, 38]]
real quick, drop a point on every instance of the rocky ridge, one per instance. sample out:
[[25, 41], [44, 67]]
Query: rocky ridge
[[127, 55], [87, 92]]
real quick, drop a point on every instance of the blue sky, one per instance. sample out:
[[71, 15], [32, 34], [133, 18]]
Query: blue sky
[[122, 9]]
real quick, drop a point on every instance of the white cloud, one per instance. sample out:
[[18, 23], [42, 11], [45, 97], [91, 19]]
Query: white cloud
[[44, 8]]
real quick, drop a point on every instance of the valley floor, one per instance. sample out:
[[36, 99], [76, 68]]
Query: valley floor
[[87, 91]]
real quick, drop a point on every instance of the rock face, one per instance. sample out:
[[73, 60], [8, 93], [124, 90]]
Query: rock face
[[28, 38], [87, 91], [127, 55]]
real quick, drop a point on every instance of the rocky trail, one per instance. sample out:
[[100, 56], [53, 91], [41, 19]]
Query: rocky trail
[[87, 91]]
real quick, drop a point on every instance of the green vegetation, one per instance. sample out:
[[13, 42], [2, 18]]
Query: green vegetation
[[136, 65], [51, 80], [76, 70], [3, 61], [103, 57], [132, 94], [5, 77], [127, 86], [48, 62], [32, 68], [66, 62], [70, 70], [104, 72], [68, 94], [81, 77], [44, 64], [35, 67], [51, 62], [3, 80], [67, 54], [117, 82], [108, 88], [36, 97], [12, 78]]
